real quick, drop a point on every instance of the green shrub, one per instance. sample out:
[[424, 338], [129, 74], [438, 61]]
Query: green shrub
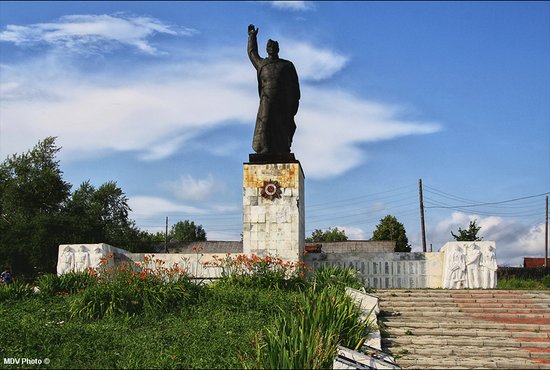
[[72, 282], [546, 281], [15, 290], [256, 272], [307, 337], [516, 283], [336, 276], [133, 289], [48, 284]]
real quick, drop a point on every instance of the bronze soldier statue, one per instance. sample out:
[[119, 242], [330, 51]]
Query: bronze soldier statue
[[279, 96]]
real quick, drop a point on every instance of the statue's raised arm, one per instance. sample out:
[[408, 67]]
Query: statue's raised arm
[[279, 92], [253, 46]]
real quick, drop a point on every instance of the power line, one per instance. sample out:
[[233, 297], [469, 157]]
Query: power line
[[491, 203]]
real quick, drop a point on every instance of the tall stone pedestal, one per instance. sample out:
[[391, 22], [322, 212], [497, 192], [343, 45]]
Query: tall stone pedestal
[[273, 210]]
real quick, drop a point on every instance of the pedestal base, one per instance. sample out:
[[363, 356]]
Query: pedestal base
[[273, 210]]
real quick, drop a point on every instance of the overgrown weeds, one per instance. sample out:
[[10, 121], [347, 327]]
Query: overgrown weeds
[[128, 290], [335, 276], [262, 313], [307, 337], [254, 271], [15, 290], [69, 283], [517, 283]]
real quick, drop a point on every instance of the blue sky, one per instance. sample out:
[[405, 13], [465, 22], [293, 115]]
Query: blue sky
[[161, 98]]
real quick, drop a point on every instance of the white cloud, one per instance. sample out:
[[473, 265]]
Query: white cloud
[[333, 123], [92, 33], [514, 239], [354, 233], [189, 188], [292, 5], [155, 112], [313, 63], [147, 206]]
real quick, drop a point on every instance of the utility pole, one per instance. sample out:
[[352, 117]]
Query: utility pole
[[422, 225], [546, 236], [166, 236]]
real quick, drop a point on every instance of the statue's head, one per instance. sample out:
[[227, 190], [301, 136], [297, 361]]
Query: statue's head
[[272, 48]]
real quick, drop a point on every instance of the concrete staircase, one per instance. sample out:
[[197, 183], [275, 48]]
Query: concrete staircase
[[466, 329]]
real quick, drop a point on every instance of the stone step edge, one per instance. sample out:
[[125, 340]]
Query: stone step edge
[[470, 333], [465, 341], [463, 309], [460, 291], [438, 314], [466, 325], [543, 300], [462, 350], [444, 363]]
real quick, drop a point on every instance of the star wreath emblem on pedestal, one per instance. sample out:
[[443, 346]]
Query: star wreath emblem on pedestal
[[271, 190]]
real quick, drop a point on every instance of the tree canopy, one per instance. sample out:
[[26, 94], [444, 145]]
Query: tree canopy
[[391, 229], [469, 235], [187, 231], [330, 235], [38, 212]]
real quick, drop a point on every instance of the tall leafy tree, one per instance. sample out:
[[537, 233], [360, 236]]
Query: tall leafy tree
[[101, 216], [187, 231], [330, 235], [469, 235], [391, 229], [32, 196], [38, 212]]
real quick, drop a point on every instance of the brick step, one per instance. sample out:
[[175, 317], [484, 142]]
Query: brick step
[[458, 313], [463, 324], [439, 341], [433, 300], [517, 335], [435, 305], [469, 363], [468, 351], [382, 292], [464, 294], [519, 310], [541, 301], [505, 305], [505, 315], [424, 303], [463, 300]]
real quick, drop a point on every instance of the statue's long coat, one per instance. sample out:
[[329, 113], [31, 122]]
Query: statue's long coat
[[279, 92]]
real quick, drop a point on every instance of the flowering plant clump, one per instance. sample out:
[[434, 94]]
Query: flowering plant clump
[[265, 272], [133, 288]]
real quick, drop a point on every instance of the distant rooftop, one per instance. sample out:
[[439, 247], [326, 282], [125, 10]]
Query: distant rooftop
[[236, 247]]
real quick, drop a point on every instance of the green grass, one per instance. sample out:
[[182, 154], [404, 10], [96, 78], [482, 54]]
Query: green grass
[[216, 332], [516, 283], [262, 314], [127, 318]]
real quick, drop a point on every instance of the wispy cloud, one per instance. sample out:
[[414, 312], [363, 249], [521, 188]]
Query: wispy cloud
[[354, 233], [313, 63], [514, 239], [146, 206], [93, 33], [292, 5], [189, 188], [155, 112]]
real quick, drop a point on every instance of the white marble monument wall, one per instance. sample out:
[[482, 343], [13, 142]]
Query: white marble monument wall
[[79, 257], [470, 265], [387, 270], [273, 210]]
